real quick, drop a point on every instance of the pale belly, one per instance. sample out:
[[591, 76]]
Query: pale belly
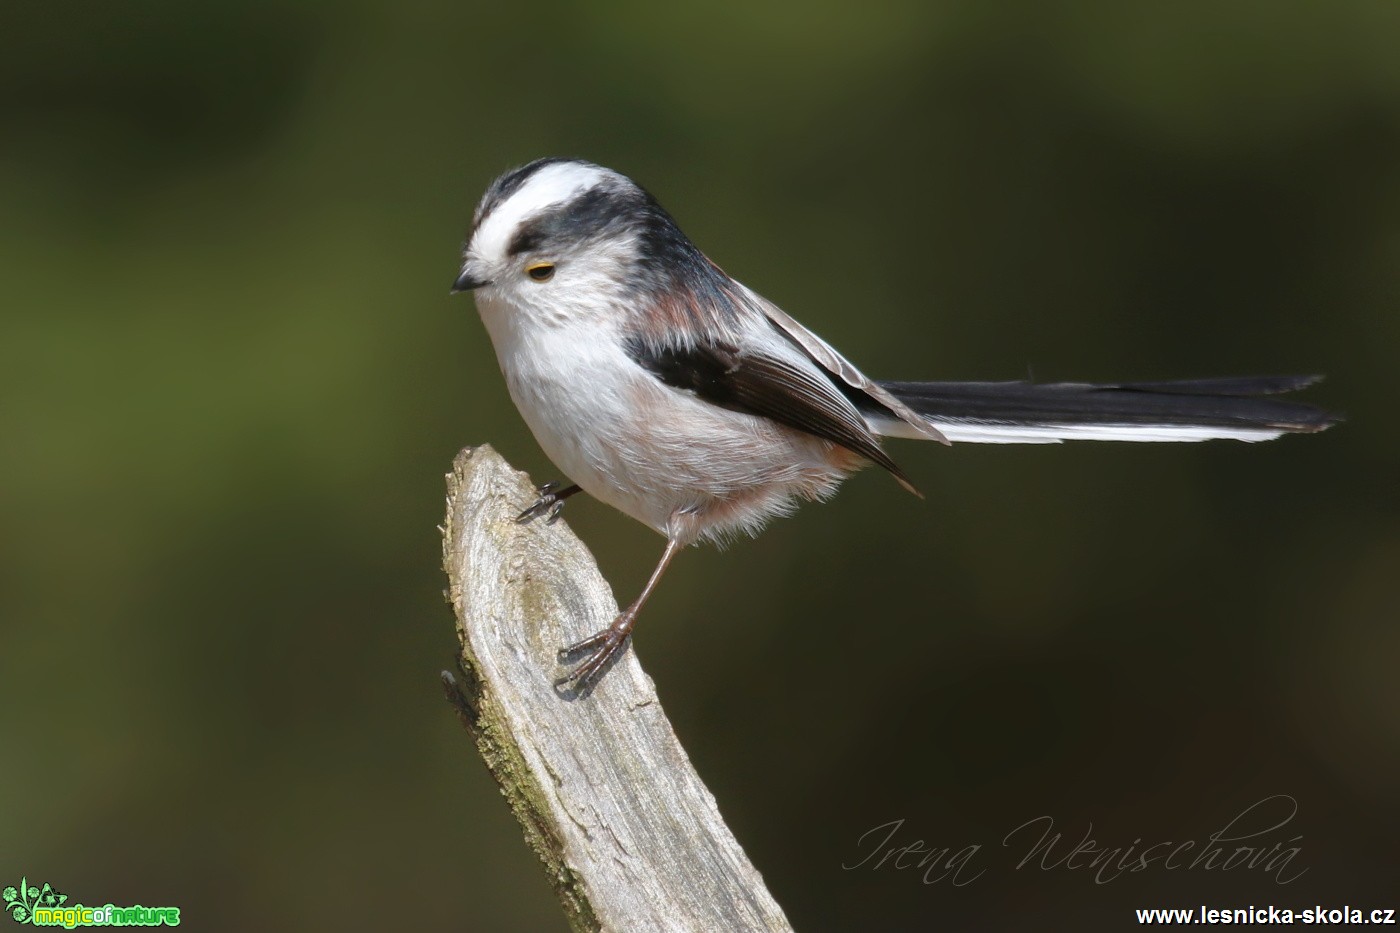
[[678, 464]]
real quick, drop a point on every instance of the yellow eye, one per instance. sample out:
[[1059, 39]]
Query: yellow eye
[[540, 271]]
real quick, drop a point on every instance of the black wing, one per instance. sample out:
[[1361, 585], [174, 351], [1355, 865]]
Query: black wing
[[756, 384]]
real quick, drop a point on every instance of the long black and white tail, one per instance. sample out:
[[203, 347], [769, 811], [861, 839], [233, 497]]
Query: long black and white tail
[[1029, 413]]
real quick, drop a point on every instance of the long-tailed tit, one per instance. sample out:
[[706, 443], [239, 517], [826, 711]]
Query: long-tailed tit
[[673, 393]]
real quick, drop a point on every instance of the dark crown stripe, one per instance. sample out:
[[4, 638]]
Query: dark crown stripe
[[509, 183]]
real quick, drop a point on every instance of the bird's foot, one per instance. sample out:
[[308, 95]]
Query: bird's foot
[[601, 651], [550, 503]]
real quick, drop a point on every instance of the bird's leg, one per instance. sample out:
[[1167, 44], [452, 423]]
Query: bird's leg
[[604, 646], [550, 502]]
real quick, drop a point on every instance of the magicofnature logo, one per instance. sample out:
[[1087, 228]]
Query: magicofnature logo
[[43, 906]]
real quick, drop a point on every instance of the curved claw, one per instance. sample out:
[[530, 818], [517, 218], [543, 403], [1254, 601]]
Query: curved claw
[[602, 649], [550, 503]]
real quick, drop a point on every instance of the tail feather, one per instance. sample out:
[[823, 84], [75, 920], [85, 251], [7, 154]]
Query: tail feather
[[1187, 410]]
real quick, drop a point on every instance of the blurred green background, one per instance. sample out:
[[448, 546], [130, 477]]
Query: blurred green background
[[233, 379]]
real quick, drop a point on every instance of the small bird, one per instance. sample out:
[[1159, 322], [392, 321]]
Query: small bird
[[673, 393]]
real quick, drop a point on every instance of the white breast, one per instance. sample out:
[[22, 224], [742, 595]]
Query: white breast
[[649, 450]]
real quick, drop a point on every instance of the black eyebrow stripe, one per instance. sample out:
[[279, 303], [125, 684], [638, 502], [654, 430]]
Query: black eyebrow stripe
[[526, 238], [596, 211]]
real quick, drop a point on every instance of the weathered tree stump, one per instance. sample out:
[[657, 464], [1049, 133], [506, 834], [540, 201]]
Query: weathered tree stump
[[629, 835]]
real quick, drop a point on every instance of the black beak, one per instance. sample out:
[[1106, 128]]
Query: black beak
[[466, 282]]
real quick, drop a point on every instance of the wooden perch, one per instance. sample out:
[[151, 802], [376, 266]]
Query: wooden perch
[[629, 835]]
